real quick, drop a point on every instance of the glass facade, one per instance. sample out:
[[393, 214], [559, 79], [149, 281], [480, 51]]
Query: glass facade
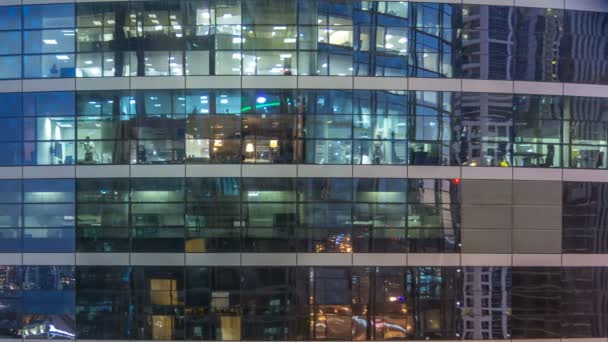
[[303, 37], [222, 215], [301, 303], [305, 215], [584, 212], [303, 170], [289, 126]]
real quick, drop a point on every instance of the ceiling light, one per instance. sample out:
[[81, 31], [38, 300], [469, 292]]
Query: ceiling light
[[63, 57], [49, 41]]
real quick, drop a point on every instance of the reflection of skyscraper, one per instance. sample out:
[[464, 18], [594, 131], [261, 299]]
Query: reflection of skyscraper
[[31, 277], [434, 39], [47, 278], [484, 129], [583, 48], [538, 38], [586, 218], [7, 277], [488, 42], [486, 304]]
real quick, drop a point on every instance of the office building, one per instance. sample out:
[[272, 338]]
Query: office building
[[301, 170]]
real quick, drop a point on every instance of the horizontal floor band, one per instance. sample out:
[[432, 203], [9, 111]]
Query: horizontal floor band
[[583, 5], [304, 259], [301, 171], [304, 82], [594, 339]]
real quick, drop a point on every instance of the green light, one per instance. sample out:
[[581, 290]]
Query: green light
[[261, 106], [266, 105]]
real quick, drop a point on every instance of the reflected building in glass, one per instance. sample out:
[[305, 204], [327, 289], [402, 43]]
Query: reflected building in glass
[[303, 170]]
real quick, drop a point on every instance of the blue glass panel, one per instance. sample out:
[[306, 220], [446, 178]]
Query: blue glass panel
[[10, 240], [10, 154], [49, 66], [48, 41], [11, 104], [11, 129], [48, 16], [55, 240], [49, 153], [49, 302], [10, 67], [10, 191], [48, 278], [11, 43], [48, 215], [10, 215], [48, 104], [48, 190], [10, 18], [11, 322]]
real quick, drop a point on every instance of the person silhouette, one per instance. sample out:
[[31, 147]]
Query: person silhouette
[[54, 70], [89, 150]]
